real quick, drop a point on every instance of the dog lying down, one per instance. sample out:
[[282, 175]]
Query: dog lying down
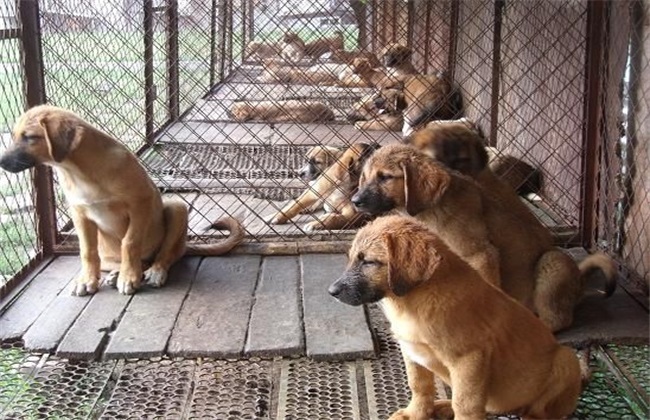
[[293, 110], [494, 353]]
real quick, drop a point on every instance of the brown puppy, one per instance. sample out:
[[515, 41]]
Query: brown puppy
[[397, 59], [118, 212], [334, 187], [322, 46], [375, 77], [259, 50], [347, 57], [319, 158], [499, 359], [379, 111], [281, 111], [429, 97], [459, 145], [521, 176], [293, 49], [490, 236]]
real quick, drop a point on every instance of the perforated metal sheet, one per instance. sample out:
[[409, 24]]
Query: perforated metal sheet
[[157, 388], [318, 390], [43, 386], [224, 161], [226, 389]]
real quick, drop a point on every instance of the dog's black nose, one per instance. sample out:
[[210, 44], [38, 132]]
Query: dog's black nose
[[358, 200], [335, 288], [379, 102]]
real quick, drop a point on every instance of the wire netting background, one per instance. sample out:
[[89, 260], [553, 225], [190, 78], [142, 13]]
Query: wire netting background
[[162, 76], [18, 243]]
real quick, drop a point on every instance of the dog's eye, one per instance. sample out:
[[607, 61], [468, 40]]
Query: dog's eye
[[25, 138], [383, 176]]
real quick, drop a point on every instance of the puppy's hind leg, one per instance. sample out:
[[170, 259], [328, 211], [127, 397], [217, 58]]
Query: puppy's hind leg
[[175, 216]]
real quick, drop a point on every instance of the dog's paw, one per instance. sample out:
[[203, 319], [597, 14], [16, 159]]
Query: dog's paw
[[83, 289], [312, 226], [276, 219], [111, 278], [155, 277], [400, 414], [127, 285]]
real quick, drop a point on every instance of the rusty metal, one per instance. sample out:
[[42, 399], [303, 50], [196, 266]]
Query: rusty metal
[[213, 41], [149, 86], [453, 39], [592, 134], [173, 89], [496, 71], [35, 95]]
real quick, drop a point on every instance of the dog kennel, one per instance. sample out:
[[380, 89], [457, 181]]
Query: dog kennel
[[562, 85]]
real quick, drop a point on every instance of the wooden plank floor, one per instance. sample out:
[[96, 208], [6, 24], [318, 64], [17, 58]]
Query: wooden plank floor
[[231, 306], [238, 306]]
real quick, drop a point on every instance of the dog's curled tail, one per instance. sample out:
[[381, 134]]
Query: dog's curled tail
[[603, 263], [236, 236]]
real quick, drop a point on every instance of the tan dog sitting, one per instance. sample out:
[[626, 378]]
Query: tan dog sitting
[[503, 247], [292, 110], [333, 188], [460, 145], [496, 355], [118, 213]]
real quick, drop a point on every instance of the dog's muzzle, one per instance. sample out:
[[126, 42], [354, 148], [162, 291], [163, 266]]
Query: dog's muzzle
[[308, 173], [17, 161], [369, 201], [353, 289]]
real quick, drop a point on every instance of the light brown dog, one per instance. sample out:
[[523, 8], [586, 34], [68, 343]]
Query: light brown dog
[[319, 158], [281, 71], [293, 49], [334, 187], [459, 145], [397, 59], [347, 57], [378, 111], [281, 111], [259, 50], [490, 236], [375, 77], [319, 47], [496, 356], [118, 213], [429, 97]]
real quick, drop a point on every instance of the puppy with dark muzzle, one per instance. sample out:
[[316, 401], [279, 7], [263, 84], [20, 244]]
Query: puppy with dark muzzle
[[319, 158], [492, 237], [397, 59], [499, 359]]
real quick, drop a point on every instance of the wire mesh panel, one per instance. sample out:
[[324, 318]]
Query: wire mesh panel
[[233, 105], [18, 242], [623, 215]]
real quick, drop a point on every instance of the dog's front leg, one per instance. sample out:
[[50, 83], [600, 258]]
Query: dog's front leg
[[128, 281], [469, 386], [423, 393], [88, 280]]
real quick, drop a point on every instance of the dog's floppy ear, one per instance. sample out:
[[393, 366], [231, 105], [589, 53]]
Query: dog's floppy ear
[[407, 269], [60, 136], [423, 189]]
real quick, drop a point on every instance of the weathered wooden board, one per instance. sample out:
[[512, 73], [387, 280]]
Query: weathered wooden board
[[149, 319], [89, 333], [37, 296], [276, 320], [333, 330], [214, 318]]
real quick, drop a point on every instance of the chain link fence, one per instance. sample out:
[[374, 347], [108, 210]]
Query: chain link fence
[[226, 101]]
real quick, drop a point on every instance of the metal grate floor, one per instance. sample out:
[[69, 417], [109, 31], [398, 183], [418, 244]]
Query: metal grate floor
[[42, 386]]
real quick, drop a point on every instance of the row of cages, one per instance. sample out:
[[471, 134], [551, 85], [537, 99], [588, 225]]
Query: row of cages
[[229, 103]]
